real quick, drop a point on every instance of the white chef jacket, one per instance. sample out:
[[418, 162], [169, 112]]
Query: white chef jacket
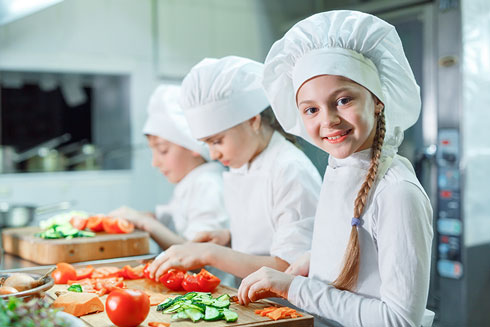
[[197, 202], [272, 201], [395, 242]]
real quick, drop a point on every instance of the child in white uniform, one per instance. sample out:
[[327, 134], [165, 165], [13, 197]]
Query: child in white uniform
[[340, 79], [272, 188], [197, 202]]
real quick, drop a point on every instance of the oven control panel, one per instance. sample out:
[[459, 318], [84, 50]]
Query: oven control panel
[[449, 223]]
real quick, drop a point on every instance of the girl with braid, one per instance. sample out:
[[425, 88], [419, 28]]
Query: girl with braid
[[341, 80]]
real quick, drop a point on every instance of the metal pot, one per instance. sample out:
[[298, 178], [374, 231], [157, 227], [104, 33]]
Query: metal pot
[[7, 159], [18, 215]]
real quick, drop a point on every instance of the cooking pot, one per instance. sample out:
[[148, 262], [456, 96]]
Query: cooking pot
[[7, 159], [18, 215]]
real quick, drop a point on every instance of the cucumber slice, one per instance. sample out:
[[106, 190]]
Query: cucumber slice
[[230, 316], [173, 308], [165, 304], [224, 297], [179, 315], [212, 314], [221, 304], [194, 314]]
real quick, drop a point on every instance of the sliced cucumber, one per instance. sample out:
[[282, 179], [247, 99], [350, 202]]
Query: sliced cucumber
[[194, 314], [230, 316], [212, 314]]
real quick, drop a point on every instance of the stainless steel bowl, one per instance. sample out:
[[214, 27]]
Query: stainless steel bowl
[[33, 292]]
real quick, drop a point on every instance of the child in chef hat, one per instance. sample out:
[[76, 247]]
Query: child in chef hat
[[341, 80], [197, 202], [272, 188]]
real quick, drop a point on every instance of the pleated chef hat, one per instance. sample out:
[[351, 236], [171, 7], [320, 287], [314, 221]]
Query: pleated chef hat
[[218, 94], [166, 120], [348, 43]]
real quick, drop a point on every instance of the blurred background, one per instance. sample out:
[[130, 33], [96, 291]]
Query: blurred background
[[76, 76]]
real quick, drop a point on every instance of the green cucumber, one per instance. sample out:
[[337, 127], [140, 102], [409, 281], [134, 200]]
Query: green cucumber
[[230, 316], [194, 314], [212, 314]]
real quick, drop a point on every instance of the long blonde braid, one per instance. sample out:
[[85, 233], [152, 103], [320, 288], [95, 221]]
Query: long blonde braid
[[347, 278]]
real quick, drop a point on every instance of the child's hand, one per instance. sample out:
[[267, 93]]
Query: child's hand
[[301, 267], [220, 236], [265, 282], [186, 256], [139, 219]]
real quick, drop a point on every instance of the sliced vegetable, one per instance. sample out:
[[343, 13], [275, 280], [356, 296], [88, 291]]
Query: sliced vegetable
[[158, 324], [75, 288], [212, 314], [85, 272], [117, 225], [79, 304], [276, 313], [78, 222], [94, 223], [173, 279]]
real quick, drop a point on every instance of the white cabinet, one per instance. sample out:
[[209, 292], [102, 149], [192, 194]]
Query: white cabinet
[[190, 30]]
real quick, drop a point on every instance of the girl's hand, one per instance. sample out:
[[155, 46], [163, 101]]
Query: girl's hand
[[187, 256], [220, 237], [139, 219], [265, 282], [301, 267]]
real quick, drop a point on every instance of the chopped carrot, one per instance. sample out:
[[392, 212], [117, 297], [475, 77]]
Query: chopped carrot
[[79, 304], [276, 313], [158, 324]]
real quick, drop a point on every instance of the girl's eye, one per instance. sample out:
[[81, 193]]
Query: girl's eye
[[343, 101], [163, 152], [310, 110], [216, 142]]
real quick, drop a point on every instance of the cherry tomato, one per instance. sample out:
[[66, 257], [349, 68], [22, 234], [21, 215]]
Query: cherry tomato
[[63, 273], [127, 307], [94, 223], [173, 279], [78, 222], [207, 281], [85, 272]]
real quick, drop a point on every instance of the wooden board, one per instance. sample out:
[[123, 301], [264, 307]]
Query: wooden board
[[23, 243], [246, 315]]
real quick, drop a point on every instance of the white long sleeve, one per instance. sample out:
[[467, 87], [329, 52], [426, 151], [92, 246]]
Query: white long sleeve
[[403, 234]]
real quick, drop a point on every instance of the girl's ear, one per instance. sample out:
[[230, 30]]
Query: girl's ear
[[255, 122]]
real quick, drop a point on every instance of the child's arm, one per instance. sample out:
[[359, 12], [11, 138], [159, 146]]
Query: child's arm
[[404, 238], [196, 255]]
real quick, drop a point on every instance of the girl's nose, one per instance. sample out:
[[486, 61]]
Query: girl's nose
[[330, 118], [215, 155]]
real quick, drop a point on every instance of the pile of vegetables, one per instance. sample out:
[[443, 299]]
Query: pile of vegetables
[[36, 312], [74, 224], [199, 305]]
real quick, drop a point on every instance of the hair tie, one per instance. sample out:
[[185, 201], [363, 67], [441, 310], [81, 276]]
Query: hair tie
[[355, 221]]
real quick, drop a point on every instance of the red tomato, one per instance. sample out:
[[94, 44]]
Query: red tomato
[[191, 283], [129, 272], [117, 225], [84, 272], [207, 281], [78, 222], [94, 223], [173, 279], [63, 273], [146, 270], [127, 307]]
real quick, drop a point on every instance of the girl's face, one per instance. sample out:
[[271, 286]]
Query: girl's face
[[339, 114], [173, 161], [235, 146]]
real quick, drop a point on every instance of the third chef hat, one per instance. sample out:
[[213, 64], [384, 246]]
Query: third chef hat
[[218, 94], [348, 43], [166, 120]]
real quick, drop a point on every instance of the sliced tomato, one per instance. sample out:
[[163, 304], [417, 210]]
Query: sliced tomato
[[94, 223], [106, 272], [207, 281], [146, 270], [117, 225], [191, 283], [63, 273], [78, 222], [129, 272], [85, 272], [173, 279]]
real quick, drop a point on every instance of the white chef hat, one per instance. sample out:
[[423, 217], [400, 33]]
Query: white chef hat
[[166, 120], [218, 94], [348, 43]]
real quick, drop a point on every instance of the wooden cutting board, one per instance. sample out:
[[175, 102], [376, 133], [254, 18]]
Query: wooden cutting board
[[246, 315], [23, 243]]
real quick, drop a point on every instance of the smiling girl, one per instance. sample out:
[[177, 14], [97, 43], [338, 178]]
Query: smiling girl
[[340, 80], [197, 201], [272, 188]]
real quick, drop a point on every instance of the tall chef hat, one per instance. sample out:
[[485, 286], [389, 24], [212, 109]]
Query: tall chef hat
[[166, 120], [218, 94], [348, 43]]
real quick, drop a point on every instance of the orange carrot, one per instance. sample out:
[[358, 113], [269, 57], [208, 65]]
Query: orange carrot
[[158, 324], [276, 313]]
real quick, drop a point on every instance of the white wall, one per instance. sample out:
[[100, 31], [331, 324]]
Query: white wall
[[89, 36]]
